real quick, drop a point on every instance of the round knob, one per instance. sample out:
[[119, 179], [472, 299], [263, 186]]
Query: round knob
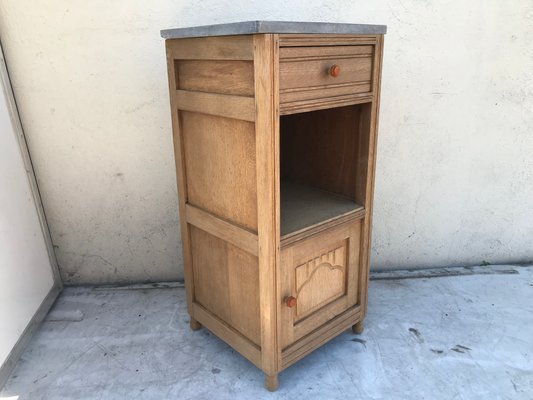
[[290, 301], [335, 70]]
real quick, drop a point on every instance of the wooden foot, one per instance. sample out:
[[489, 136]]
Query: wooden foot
[[359, 327], [271, 382], [195, 325]]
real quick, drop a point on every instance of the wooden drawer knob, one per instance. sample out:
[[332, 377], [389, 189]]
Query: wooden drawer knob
[[290, 301], [335, 70]]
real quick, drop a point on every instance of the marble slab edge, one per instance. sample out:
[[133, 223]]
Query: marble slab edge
[[251, 27]]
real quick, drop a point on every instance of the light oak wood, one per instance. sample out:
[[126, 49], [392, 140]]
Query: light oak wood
[[275, 162], [215, 76], [315, 71], [321, 148], [321, 272], [363, 154], [306, 73], [219, 155], [322, 335], [372, 115], [337, 100], [267, 155], [211, 48], [299, 40], [296, 99], [299, 54], [180, 174], [224, 230], [226, 282], [359, 327], [194, 324], [231, 107], [228, 334], [271, 382]]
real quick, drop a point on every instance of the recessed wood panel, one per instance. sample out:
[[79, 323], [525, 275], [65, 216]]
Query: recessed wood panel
[[216, 76], [226, 282], [220, 166], [211, 48], [320, 279]]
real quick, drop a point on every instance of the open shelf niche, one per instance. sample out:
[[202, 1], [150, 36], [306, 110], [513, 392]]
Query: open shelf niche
[[324, 158]]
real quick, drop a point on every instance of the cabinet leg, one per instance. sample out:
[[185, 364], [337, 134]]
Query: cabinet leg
[[195, 325], [359, 327], [271, 382]]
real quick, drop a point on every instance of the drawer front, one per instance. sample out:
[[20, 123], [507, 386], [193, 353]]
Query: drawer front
[[310, 73], [319, 279]]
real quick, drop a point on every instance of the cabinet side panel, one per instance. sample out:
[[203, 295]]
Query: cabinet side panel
[[212, 83], [219, 157], [373, 120], [180, 176], [214, 142], [226, 282]]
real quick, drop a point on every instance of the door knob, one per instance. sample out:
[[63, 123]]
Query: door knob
[[290, 301], [335, 70]]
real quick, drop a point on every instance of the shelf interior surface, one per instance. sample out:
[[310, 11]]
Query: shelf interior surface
[[303, 206]]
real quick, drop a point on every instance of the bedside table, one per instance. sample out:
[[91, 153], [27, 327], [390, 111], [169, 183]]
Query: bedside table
[[275, 127]]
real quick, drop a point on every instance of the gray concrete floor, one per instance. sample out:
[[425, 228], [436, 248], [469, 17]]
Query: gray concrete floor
[[460, 337]]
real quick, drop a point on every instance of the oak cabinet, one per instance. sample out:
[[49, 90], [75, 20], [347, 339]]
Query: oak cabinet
[[275, 129]]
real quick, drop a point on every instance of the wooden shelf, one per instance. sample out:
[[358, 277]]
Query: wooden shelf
[[304, 207]]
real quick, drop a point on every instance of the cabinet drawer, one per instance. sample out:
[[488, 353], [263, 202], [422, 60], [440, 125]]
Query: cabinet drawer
[[319, 279], [308, 73]]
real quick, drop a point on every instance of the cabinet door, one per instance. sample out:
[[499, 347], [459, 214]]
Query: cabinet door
[[319, 279]]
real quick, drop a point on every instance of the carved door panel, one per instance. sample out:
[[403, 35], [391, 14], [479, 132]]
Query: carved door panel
[[319, 279]]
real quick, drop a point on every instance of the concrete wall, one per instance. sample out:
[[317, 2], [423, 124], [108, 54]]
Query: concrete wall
[[25, 270], [454, 168]]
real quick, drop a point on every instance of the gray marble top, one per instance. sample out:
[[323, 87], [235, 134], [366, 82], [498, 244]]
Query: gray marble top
[[250, 27]]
